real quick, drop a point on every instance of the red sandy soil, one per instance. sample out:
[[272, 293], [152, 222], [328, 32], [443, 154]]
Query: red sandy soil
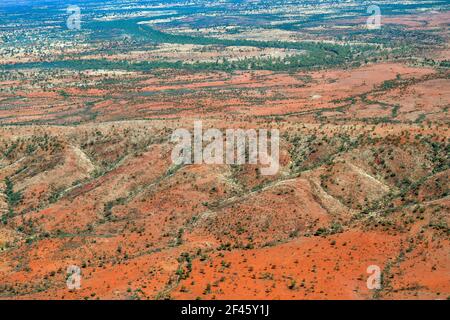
[[351, 192]]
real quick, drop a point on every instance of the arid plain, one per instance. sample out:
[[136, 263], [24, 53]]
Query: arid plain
[[87, 178]]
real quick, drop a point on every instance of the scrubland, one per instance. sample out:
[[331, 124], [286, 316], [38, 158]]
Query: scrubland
[[86, 176]]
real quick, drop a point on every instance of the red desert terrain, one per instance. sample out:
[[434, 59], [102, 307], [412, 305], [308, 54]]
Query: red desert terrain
[[86, 179]]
